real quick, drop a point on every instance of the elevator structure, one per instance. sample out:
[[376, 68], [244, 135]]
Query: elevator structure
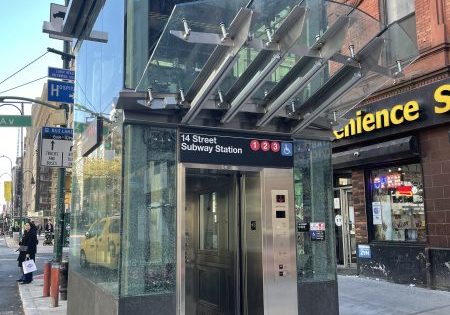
[[208, 189]]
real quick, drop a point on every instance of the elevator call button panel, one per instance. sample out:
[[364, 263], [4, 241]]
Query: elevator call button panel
[[280, 225]]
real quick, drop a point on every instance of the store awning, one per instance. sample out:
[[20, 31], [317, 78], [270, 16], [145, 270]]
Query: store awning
[[293, 67]]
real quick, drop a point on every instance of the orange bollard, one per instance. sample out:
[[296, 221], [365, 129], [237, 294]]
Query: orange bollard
[[47, 272], [54, 287]]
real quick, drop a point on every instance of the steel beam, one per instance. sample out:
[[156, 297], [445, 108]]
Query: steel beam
[[283, 38], [324, 48], [238, 32]]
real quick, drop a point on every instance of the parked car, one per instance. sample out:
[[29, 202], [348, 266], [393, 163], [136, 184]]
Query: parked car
[[101, 244]]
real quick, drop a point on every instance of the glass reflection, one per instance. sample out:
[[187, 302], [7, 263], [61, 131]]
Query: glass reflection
[[96, 197], [149, 211]]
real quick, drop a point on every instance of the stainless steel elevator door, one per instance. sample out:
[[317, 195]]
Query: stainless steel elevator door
[[212, 242]]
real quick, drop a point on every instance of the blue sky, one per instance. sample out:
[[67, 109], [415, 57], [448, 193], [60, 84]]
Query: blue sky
[[22, 41]]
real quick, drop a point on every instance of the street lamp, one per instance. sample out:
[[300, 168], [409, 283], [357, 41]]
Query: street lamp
[[22, 112], [10, 161]]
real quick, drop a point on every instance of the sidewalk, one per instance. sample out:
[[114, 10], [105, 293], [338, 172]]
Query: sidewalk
[[31, 294], [33, 301]]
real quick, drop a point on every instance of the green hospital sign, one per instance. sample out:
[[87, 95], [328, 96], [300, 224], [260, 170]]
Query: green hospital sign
[[15, 121]]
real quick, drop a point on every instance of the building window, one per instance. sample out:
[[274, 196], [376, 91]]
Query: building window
[[397, 203]]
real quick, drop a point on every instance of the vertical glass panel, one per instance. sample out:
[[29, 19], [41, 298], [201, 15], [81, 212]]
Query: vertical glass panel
[[146, 20], [208, 222], [149, 211], [398, 212], [96, 181], [314, 204], [99, 75], [95, 221]]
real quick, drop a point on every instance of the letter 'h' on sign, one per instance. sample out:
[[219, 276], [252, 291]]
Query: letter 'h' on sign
[[59, 91]]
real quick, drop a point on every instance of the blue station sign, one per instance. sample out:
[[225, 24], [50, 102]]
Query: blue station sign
[[220, 148], [63, 74], [58, 91]]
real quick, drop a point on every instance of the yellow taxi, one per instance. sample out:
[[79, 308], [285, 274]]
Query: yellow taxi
[[101, 243]]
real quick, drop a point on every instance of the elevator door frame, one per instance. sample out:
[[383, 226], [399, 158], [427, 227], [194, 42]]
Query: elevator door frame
[[181, 223]]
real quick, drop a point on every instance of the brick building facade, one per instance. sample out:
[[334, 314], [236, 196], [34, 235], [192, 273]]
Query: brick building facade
[[419, 253]]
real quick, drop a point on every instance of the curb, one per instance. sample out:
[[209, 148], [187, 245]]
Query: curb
[[33, 303], [28, 305]]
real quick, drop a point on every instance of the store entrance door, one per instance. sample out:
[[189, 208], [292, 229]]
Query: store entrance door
[[345, 226]]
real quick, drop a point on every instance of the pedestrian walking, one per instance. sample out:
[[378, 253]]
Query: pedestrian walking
[[27, 250]]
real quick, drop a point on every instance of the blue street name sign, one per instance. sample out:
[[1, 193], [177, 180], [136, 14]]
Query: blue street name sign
[[56, 133], [59, 91], [63, 74]]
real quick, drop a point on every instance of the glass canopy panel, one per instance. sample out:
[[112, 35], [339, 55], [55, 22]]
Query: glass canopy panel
[[332, 33], [399, 49], [268, 14], [175, 63], [322, 16]]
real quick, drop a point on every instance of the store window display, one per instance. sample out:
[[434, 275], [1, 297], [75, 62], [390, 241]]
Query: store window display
[[398, 212]]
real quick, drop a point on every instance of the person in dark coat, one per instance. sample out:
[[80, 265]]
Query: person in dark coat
[[29, 240]]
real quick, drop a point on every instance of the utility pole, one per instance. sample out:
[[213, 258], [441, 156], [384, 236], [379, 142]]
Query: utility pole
[[61, 188], [21, 175]]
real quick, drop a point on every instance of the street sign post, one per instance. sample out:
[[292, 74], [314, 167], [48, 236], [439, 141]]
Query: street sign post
[[15, 121], [63, 74], [56, 147], [59, 91]]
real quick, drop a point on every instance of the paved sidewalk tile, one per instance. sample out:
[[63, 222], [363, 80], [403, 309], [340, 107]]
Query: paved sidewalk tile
[[33, 301]]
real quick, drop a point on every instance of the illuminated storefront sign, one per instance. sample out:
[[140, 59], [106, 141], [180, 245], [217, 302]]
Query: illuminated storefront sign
[[397, 115]]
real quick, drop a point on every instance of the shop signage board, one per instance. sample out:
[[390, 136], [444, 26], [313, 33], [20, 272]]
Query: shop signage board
[[364, 251], [15, 121], [56, 147], [63, 74], [91, 137], [417, 109], [214, 147], [59, 91]]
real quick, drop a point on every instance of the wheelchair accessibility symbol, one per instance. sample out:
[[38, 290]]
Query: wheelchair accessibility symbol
[[286, 149]]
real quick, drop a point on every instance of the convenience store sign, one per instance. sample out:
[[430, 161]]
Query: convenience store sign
[[397, 115]]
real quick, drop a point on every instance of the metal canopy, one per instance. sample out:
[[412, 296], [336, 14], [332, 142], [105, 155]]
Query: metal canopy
[[286, 66]]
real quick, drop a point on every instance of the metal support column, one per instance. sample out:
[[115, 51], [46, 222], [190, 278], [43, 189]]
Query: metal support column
[[61, 188], [59, 222]]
